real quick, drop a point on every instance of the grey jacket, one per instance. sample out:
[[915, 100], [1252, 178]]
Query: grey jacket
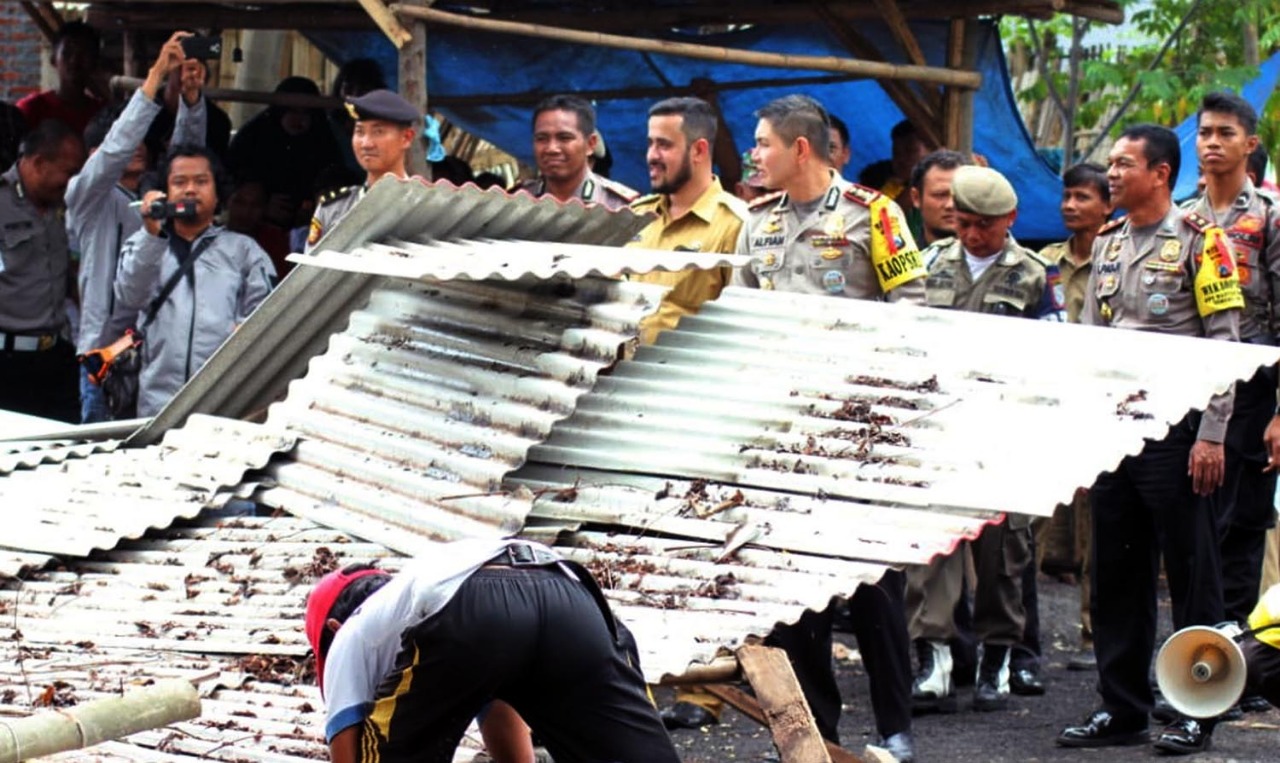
[[231, 278], [99, 217]]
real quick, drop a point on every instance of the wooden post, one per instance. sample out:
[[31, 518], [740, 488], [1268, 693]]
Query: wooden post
[[129, 52], [75, 728], [794, 731], [413, 85], [959, 104]]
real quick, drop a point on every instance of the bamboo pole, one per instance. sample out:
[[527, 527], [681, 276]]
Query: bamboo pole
[[871, 69], [75, 728]]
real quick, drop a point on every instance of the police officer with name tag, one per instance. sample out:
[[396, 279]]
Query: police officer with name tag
[[1226, 136], [981, 269], [820, 234], [1165, 270], [564, 136], [383, 133], [37, 360]]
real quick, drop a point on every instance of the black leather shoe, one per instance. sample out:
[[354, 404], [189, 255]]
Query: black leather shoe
[[686, 715], [1183, 737], [1102, 729], [900, 747], [1025, 682], [1082, 661], [1252, 703]]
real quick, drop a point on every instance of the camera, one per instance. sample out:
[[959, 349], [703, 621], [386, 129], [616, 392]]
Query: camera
[[171, 210]]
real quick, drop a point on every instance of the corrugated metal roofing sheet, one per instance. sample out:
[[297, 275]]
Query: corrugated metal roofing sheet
[[26, 454], [508, 260], [72, 508], [271, 348], [435, 392], [891, 404]]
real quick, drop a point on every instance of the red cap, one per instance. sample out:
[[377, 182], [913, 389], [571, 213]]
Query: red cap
[[320, 602]]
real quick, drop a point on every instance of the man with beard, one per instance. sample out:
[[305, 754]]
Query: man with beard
[[383, 133], [695, 214], [1164, 270], [564, 137]]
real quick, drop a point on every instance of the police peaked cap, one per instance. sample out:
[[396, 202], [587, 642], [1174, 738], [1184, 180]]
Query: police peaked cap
[[982, 191], [384, 105]]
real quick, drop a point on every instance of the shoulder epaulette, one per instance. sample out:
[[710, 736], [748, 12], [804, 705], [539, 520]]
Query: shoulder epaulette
[[735, 205], [1198, 222], [1034, 256], [764, 200], [338, 193], [1111, 225], [942, 243], [860, 194], [651, 198], [628, 195]]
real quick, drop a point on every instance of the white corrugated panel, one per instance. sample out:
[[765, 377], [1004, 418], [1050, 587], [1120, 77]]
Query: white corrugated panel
[[72, 508], [433, 393], [508, 260], [892, 404]]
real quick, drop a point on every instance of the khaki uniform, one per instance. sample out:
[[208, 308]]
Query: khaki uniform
[[331, 208], [1253, 228], [594, 189], [1155, 290], [1075, 278], [855, 244], [1017, 283], [712, 224]]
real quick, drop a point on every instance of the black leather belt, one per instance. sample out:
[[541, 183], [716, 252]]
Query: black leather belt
[[523, 555]]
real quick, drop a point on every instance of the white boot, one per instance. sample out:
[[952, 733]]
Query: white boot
[[932, 691]]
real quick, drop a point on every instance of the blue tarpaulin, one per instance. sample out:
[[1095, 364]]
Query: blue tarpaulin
[[465, 63]]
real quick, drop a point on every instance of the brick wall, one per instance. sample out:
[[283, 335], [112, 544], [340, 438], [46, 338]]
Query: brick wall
[[21, 51]]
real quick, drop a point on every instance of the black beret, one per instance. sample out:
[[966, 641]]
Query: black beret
[[382, 104]]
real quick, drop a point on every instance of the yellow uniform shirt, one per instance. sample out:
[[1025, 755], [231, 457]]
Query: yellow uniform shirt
[[712, 224]]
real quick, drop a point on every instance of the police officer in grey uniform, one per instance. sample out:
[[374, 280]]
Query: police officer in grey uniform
[[384, 131], [984, 270], [1226, 137], [99, 212], [37, 359], [820, 234], [564, 137], [1164, 270]]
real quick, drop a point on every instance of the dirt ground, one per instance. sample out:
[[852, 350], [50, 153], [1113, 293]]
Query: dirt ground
[[1025, 732]]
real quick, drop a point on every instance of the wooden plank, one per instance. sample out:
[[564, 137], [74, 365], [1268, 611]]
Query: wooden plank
[[891, 14], [870, 69], [748, 706], [794, 731], [413, 84], [388, 23], [951, 111]]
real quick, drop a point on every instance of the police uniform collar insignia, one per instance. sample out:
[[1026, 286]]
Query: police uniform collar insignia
[[1109, 226], [1197, 221], [352, 112], [832, 199], [860, 194], [588, 189]]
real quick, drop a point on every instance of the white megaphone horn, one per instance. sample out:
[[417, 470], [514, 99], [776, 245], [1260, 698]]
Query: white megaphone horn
[[1201, 670]]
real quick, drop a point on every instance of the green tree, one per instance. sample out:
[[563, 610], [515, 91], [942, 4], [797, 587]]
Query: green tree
[[1187, 48]]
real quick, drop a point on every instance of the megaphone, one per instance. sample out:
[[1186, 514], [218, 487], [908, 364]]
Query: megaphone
[[1201, 670]]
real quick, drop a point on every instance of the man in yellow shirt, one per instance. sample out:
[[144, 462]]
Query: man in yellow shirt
[[695, 214]]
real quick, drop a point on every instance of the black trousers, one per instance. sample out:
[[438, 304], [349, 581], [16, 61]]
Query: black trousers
[[1245, 506], [880, 625], [1026, 653], [43, 383], [1264, 669], [1143, 510], [536, 639]]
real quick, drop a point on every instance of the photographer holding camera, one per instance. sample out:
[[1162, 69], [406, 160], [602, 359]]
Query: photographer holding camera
[[99, 212], [190, 281]]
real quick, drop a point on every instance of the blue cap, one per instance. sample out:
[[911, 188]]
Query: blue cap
[[384, 105]]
